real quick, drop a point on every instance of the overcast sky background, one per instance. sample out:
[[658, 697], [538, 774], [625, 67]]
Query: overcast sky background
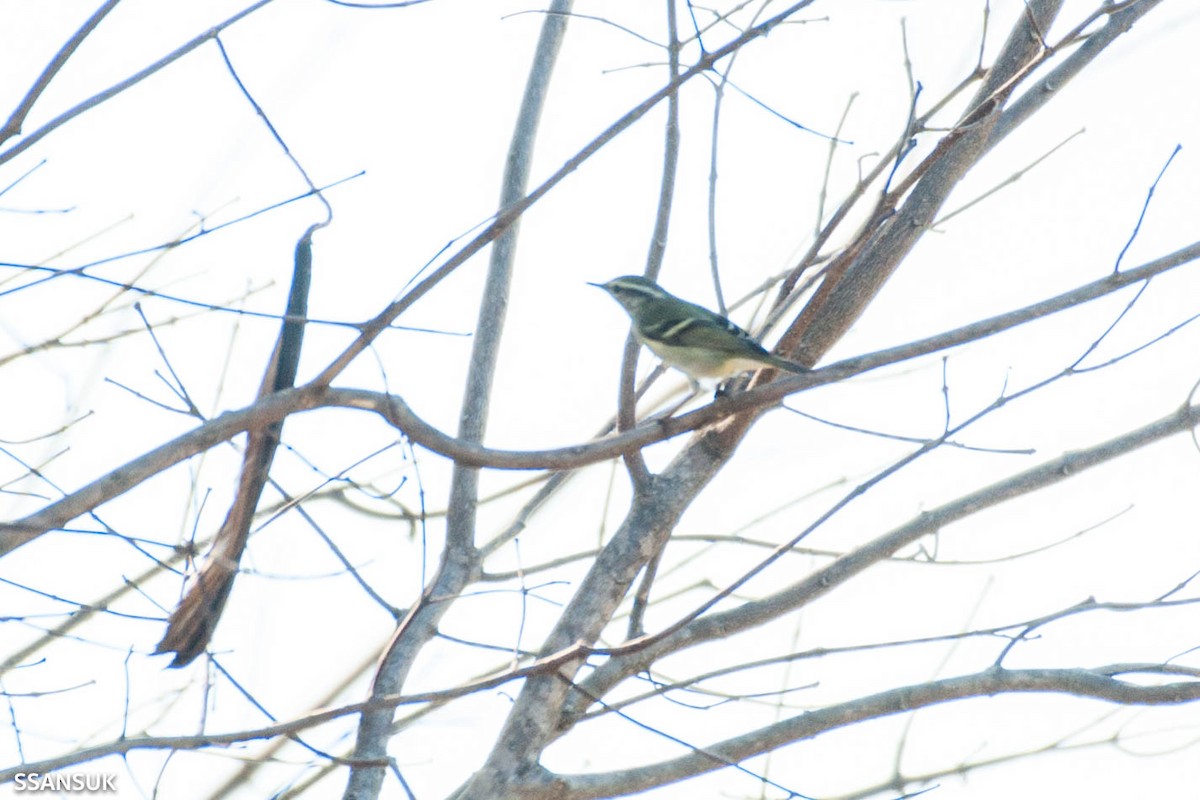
[[421, 101]]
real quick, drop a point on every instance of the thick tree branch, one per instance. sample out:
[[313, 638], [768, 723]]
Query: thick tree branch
[[1097, 684], [460, 562], [396, 411], [633, 657], [856, 279], [1121, 18]]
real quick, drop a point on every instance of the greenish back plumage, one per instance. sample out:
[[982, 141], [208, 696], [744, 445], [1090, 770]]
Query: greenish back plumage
[[687, 336]]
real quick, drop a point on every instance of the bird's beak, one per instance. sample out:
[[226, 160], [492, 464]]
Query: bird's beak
[[597, 285]]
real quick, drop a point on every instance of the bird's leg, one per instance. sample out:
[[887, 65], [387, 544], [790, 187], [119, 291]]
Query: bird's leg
[[726, 387]]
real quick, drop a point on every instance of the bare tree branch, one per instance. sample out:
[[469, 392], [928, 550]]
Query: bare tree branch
[[1096, 684]]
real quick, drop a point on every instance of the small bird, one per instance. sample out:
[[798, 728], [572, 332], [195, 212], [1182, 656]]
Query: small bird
[[700, 343]]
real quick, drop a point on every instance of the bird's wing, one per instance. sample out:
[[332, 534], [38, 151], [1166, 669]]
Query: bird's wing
[[711, 331]]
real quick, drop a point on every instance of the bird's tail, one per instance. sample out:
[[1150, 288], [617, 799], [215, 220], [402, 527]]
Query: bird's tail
[[783, 364]]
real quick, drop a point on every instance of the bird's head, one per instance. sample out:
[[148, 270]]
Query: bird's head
[[632, 291]]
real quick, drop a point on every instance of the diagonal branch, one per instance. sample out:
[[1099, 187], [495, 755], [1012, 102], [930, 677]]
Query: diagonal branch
[[460, 562], [191, 626], [1097, 684], [508, 215], [633, 657], [114, 90], [395, 410], [16, 120], [855, 279]]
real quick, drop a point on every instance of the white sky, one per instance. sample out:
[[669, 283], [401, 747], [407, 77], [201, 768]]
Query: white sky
[[423, 100]]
